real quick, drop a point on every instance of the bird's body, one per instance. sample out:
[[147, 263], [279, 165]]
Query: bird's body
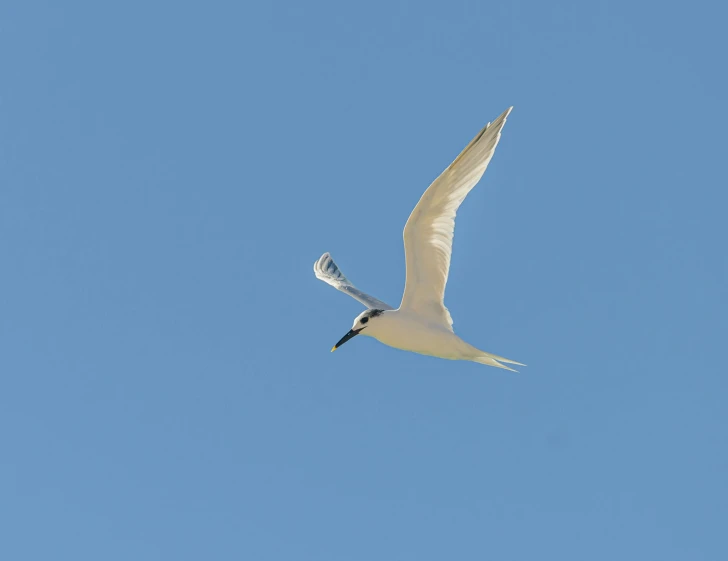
[[422, 324], [411, 332]]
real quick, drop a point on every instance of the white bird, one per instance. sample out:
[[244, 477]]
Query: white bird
[[422, 324]]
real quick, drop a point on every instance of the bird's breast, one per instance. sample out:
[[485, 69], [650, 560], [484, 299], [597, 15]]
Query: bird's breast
[[408, 334]]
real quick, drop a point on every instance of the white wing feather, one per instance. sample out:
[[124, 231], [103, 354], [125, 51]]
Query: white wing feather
[[326, 270], [428, 233]]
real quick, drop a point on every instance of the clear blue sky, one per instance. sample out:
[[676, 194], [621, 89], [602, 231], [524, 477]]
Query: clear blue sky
[[169, 172]]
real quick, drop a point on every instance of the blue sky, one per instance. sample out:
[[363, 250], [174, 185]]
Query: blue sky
[[169, 172]]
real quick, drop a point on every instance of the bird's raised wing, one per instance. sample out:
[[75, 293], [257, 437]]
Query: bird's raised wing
[[429, 230], [326, 270]]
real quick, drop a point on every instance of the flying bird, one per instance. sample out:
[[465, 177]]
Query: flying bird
[[422, 324]]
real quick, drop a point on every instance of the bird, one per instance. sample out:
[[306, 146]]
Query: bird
[[422, 324]]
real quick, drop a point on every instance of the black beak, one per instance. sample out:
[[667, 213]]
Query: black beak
[[345, 338]]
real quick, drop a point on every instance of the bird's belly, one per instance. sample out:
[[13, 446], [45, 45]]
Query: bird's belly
[[421, 339]]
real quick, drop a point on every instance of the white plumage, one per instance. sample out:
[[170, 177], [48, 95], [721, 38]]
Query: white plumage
[[422, 323]]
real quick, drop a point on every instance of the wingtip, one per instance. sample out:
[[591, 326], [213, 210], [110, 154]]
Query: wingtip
[[317, 263]]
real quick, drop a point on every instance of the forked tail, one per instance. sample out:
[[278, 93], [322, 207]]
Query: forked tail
[[493, 360]]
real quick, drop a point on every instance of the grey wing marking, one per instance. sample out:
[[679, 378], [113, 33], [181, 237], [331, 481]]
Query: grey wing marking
[[326, 270]]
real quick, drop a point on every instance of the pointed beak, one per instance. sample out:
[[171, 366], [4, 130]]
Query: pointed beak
[[345, 338]]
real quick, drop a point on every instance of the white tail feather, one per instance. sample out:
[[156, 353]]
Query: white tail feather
[[492, 360], [501, 359]]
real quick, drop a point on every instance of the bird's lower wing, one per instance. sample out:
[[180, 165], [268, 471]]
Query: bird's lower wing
[[326, 270], [428, 233]]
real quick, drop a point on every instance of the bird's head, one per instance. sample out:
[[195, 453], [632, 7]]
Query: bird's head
[[363, 322]]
